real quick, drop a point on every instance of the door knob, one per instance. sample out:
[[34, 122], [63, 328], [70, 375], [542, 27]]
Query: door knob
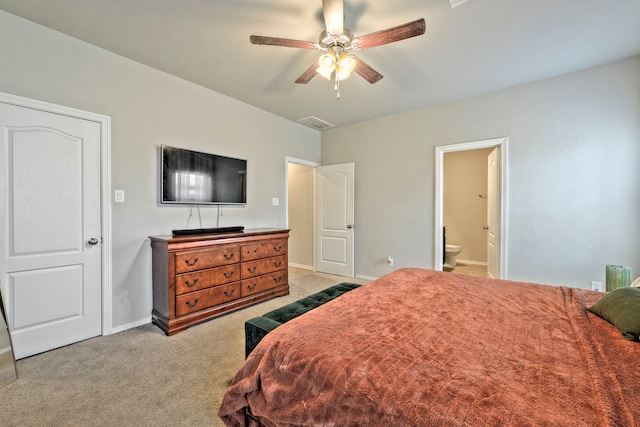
[[486, 227], [349, 226], [92, 241]]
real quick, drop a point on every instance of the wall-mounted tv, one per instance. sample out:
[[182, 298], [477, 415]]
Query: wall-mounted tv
[[195, 178]]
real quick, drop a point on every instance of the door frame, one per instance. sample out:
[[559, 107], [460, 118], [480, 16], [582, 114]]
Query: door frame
[[105, 187], [501, 144], [314, 165]]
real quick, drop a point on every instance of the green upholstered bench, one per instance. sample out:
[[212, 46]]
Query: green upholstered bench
[[257, 328]]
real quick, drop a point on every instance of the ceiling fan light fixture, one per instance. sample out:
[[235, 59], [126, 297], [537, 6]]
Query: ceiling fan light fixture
[[332, 66], [327, 61], [325, 73], [346, 65], [337, 43], [327, 64]]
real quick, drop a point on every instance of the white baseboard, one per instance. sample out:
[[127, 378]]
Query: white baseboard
[[130, 325], [310, 267], [302, 266], [464, 261]]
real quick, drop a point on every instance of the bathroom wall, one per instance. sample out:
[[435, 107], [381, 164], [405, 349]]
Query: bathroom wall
[[464, 212]]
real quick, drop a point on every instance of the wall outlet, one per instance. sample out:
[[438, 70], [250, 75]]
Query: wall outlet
[[390, 261], [596, 286]]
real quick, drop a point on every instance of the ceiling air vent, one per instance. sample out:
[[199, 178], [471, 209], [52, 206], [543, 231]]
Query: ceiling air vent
[[316, 123], [455, 3]]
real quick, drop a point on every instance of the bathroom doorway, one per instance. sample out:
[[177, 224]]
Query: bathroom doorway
[[465, 202], [490, 198]]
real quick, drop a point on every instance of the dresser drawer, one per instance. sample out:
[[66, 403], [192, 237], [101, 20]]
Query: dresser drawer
[[263, 266], [207, 258], [190, 282], [264, 250], [262, 283], [199, 300]]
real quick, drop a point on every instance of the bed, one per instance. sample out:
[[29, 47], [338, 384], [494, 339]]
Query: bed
[[426, 348]]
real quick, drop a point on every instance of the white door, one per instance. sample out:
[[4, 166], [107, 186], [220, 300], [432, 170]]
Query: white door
[[50, 243], [335, 206], [493, 214]]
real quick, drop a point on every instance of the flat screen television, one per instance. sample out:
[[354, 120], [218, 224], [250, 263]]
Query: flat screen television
[[195, 178]]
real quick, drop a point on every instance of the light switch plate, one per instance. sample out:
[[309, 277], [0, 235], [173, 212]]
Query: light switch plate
[[276, 201], [119, 196]]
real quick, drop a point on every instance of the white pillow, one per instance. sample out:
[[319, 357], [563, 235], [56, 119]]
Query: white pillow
[[636, 283]]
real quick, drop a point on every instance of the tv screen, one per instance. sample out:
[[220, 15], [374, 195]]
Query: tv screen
[[192, 178]]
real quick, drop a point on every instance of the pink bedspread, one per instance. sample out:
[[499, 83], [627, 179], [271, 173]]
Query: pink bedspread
[[425, 348]]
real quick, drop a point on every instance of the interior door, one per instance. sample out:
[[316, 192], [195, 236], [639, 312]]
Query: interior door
[[50, 243], [335, 214], [493, 214]]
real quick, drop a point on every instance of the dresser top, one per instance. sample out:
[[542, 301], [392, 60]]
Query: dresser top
[[219, 236]]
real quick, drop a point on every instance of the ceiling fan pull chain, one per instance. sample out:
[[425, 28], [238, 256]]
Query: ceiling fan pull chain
[[336, 87]]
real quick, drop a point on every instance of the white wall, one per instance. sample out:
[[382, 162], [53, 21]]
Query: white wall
[[573, 178], [149, 108]]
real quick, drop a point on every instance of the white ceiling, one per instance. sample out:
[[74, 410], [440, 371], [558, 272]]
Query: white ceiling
[[477, 47]]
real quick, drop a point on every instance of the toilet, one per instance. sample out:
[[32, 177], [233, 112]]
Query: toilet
[[450, 253]]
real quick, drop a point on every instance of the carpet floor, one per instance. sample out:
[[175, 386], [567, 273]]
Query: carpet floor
[[141, 377]]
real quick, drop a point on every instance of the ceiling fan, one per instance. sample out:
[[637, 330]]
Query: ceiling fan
[[337, 44]]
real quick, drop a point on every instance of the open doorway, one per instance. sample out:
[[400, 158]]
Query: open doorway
[[320, 214], [496, 203], [465, 205], [300, 212]]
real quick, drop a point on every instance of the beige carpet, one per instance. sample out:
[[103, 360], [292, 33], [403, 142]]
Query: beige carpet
[[140, 377]]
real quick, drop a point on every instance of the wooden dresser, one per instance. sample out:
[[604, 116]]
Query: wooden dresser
[[199, 277]]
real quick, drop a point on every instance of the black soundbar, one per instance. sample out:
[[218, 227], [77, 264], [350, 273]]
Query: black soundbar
[[191, 231]]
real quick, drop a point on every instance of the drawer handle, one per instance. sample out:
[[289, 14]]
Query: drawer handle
[[191, 284], [229, 275], [194, 303], [229, 256], [277, 248], [228, 294], [191, 263], [252, 286], [277, 279], [250, 270], [254, 251], [277, 264]]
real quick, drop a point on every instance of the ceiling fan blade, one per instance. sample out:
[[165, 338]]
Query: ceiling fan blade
[[366, 71], [275, 41], [308, 75], [333, 16], [390, 35]]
